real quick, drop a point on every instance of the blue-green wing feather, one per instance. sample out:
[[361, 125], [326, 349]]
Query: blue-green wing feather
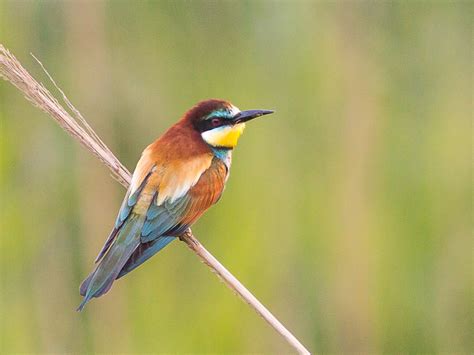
[[162, 224], [129, 201], [165, 219], [143, 252], [101, 279]]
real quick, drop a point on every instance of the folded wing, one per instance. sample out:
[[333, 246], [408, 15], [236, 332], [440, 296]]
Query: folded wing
[[171, 218], [164, 199]]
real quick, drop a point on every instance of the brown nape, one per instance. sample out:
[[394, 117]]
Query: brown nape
[[182, 140], [204, 108]]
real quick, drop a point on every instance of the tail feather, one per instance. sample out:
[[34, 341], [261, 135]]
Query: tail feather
[[143, 252], [105, 273], [83, 303], [85, 284], [107, 244]]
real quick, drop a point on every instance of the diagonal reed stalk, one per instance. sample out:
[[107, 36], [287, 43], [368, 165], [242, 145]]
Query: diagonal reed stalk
[[11, 70]]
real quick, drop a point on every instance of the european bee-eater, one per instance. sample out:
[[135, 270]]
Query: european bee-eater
[[178, 177]]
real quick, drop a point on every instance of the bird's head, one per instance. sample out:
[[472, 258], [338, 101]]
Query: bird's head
[[220, 123]]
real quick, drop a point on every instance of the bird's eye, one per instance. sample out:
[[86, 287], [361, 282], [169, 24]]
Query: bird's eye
[[215, 122]]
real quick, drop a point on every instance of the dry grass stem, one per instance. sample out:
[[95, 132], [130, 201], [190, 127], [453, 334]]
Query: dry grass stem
[[75, 124], [12, 71]]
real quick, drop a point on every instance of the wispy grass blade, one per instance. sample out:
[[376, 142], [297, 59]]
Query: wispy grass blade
[[12, 71]]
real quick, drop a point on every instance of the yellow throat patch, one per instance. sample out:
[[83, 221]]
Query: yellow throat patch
[[224, 136]]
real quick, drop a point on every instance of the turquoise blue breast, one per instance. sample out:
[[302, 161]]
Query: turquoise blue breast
[[223, 154]]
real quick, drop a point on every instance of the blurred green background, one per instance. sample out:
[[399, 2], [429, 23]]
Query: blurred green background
[[348, 212]]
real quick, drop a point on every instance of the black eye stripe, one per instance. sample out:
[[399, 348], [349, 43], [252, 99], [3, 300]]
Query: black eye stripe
[[210, 123]]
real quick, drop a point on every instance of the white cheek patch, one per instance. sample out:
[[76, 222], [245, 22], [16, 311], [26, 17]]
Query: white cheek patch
[[213, 136], [224, 136]]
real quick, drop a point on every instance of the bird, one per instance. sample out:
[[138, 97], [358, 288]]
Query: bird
[[177, 178]]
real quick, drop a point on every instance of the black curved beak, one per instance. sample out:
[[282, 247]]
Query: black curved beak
[[244, 116]]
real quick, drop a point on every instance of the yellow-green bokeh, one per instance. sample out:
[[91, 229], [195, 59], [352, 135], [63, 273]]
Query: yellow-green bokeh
[[348, 212]]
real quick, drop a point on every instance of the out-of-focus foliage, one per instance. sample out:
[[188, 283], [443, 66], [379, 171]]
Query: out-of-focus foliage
[[348, 212]]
